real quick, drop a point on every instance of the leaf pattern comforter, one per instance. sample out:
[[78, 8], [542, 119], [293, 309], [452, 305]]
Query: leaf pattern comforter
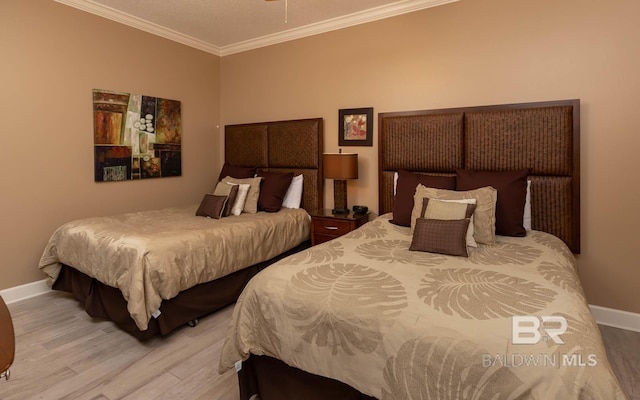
[[397, 324], [153, 255]]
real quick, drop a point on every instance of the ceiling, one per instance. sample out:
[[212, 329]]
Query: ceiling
[[225, 27]]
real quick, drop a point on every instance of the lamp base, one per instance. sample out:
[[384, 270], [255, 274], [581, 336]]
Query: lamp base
[[340, 197]]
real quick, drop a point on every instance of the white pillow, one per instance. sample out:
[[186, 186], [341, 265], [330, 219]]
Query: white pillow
[[243, 189], [293, 197], [526, 218], [395, 182], [471, 242]]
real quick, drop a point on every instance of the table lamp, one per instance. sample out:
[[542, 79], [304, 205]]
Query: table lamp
[[340, 167]]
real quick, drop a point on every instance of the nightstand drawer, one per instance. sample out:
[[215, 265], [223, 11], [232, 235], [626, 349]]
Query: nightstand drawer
[[332, 227], [325, 225], [320, 238]]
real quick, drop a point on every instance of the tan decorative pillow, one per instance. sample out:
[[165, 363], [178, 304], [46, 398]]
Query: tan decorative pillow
[[447, 210], [441, 236], [406, 188], [484, 217], [251, 202], [229, 190]]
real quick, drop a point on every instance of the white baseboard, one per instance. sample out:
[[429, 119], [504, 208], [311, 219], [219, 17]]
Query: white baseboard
[[616, 318], [23, 292], [603, 315]]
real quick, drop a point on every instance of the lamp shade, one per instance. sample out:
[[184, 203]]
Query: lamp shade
[[340, 165]]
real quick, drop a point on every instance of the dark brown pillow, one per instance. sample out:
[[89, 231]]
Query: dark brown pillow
[[441, 236], [273, 188], [406, 188], [231, 200], [512, 194], [212, 206], [236, 172]]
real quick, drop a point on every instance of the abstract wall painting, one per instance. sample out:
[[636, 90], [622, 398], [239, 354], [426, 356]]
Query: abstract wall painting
[[135, 136], [355, 127]]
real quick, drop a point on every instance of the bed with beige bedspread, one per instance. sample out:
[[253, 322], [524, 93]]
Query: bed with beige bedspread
[[154, 255], [400, 324]]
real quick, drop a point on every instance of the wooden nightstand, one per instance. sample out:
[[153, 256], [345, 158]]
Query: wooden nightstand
[[326, 225]]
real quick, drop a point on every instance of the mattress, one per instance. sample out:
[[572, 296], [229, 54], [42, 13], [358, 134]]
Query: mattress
[[153, 255], [509, 321]]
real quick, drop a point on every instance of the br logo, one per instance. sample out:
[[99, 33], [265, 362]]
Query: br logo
[[529, 329]]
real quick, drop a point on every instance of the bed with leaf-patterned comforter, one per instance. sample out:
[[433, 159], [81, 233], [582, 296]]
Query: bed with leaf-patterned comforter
[[399, 324]]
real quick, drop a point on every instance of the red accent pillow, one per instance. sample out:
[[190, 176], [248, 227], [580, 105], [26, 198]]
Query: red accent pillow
[[512, 193], [236, 172], [273, 188], [406, 188]]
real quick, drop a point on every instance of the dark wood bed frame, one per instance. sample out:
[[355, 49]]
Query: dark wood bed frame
[[542, 136], [282, 146], [291, 146]]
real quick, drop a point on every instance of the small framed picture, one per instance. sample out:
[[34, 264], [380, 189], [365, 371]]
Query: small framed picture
[[355, 127]]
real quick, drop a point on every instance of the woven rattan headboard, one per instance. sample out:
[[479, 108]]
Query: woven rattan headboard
[[541, 136], [285, 146]]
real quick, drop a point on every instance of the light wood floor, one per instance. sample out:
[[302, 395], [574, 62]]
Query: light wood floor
[[62, 353], [623, 351]]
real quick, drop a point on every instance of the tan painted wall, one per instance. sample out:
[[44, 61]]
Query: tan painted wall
[[478, 52], [469, 53], [52, 56]]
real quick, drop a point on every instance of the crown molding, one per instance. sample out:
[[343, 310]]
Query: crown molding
[[333, 24], [139, 23], [374, 14]]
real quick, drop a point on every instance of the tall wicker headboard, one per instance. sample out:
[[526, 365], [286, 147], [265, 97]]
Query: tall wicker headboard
[[541, 136], [284, 146]]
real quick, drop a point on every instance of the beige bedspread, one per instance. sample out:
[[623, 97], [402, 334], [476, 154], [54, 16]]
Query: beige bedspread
[[153, 255], [396, 324]]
